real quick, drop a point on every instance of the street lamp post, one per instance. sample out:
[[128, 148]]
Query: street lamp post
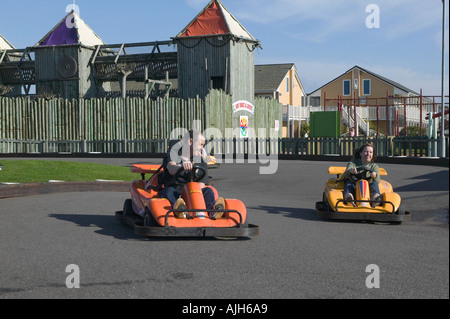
[[443, 82]]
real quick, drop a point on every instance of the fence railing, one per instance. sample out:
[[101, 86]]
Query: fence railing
[[108, 147], [394, 111], [384, 146]]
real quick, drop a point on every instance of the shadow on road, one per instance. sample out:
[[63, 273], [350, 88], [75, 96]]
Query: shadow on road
[[437, 181], [300, 213], [108, 226], [310, 215]]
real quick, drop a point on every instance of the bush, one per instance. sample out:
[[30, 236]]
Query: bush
[[413, 131], [304, 128]]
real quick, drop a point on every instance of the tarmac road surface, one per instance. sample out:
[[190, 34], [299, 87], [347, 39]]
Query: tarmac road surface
[[296, 255]]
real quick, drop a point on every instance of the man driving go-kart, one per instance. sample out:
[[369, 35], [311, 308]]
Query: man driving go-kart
[[183, 159], [177, 200]]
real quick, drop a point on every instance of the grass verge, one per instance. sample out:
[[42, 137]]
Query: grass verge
[[36, 171]]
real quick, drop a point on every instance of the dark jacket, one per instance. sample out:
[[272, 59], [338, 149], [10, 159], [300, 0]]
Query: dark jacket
[[170, 181]]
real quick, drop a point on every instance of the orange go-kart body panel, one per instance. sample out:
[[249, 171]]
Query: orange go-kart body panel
[[145, 168], [144, 197]]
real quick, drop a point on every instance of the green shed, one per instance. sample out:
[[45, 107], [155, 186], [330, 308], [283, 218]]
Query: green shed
[[325, 124]]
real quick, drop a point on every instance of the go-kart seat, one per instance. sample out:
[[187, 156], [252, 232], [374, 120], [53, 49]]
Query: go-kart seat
[[153, 186], [148, 189]]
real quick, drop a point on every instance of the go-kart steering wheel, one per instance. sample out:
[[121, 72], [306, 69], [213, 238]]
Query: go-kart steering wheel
[[362, 173], [194, 175]]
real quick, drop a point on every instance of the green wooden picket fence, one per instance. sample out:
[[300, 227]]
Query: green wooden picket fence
[[102, 119], [95, 119]]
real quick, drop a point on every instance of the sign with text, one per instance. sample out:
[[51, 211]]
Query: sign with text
[[243, 106]]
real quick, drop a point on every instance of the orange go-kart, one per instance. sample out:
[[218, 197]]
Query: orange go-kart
[[333, 206], [153, 216]]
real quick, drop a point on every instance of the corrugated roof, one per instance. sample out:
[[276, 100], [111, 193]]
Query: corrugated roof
[[71, 30], [268, 77]]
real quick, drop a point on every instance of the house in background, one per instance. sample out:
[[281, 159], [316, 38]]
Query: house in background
[[375, 97], [360, 82], [282, 83]]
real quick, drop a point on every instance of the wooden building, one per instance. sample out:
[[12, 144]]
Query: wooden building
[[62, 60], [216, 52]]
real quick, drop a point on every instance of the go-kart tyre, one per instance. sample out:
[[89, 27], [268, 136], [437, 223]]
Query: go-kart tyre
[[401, 210], [149, 220], [326, 206], [127, 216], [128, 208]]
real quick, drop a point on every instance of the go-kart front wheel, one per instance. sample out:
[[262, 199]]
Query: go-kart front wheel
[[401, 210], [149, 220]]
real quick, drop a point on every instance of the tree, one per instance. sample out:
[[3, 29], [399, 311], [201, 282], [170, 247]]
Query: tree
[[304, 129], [413, 131]]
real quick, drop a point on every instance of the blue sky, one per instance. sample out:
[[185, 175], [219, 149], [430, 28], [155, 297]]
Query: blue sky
[[324, 38]]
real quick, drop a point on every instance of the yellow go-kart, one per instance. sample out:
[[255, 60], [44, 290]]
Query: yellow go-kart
[[333, 206]]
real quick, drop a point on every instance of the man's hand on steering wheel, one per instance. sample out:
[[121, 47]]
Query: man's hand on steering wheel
[[187, 165], [195, 174]]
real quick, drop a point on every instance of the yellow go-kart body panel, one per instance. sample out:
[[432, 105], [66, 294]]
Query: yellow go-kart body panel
[[334, 194]]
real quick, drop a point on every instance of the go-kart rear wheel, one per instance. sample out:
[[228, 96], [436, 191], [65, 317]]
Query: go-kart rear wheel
[[149, 220], [326, 206], [128, 208]]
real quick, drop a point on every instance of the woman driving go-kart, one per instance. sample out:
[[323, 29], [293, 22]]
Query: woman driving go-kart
[[362, 167], [358, 192]]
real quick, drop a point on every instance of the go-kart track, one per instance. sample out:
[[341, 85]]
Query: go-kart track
[[296, 254]]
